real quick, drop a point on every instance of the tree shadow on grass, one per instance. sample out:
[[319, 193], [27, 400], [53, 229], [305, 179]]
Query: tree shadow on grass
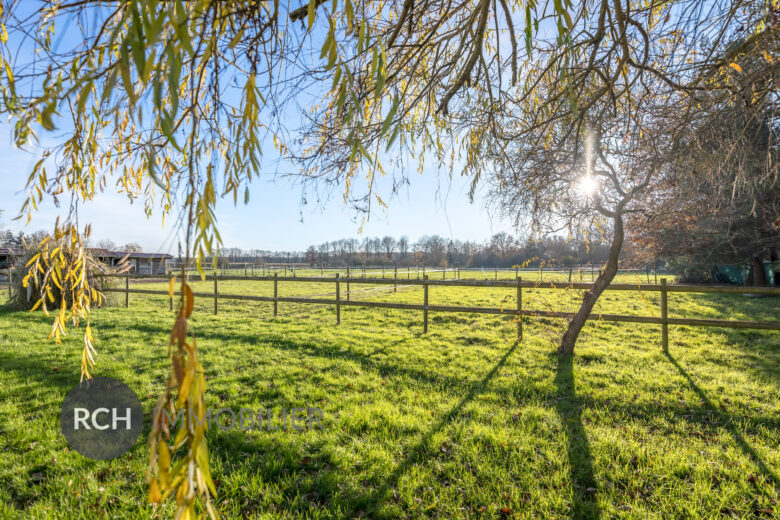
[[739, 439], [372, 502], [759, 352], [375, 360], [569, 408]]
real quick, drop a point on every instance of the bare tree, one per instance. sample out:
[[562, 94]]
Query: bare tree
[[106, 244], [388, 243]]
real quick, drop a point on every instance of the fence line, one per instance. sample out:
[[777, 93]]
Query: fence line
[[518, 312], [420, 270]]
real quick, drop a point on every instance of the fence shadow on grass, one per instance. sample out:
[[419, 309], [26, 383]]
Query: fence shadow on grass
[[739, 439], [569, 407]]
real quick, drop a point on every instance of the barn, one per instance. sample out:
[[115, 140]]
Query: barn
[[140, 263]]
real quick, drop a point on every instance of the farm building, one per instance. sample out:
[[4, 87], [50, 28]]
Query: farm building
[[739, 274], [140, 263]]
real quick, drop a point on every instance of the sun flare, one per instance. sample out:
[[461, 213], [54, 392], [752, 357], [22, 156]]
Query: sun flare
[[587, 185]]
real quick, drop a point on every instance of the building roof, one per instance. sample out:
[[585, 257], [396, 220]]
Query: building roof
[[145, 255], [96, 251]]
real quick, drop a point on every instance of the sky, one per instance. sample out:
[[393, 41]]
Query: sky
[[274, 219]]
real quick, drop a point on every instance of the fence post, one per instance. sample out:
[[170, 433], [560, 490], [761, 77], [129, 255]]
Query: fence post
[[425, 304], [664, 317], [444, 273], [519, 310], [276, 293], [395, 278], [347, 283], [569, 274], [127, 290], [216, 293], [496, 272], [338, 301], [458, 272]]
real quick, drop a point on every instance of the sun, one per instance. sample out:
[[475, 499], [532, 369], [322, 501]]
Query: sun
[[587, 185]]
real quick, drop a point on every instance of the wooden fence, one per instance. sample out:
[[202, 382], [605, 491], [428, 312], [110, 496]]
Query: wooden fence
[[412, 271], [517, 311]]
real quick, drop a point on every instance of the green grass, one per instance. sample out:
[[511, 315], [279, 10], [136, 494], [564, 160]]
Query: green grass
[[459, 423]]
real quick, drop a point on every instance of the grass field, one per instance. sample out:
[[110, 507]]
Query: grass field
[[459, 423]]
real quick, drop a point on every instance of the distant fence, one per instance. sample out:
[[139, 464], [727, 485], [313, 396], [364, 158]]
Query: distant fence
[[517, 311], [408, 271]]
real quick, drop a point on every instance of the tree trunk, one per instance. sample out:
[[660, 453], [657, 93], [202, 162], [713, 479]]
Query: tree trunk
[[591, 297], [759, 276]]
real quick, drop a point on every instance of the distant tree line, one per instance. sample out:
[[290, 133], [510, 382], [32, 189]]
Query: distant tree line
[[20, 239], [501, 250]]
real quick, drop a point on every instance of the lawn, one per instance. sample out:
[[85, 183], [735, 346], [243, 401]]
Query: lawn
[[459, 423]]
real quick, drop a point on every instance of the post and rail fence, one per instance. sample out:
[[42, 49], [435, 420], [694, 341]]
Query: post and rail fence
[[518, 312]]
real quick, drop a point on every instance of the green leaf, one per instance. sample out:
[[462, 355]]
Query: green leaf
[[136, 42], [83, 96], [174, 70], [393, 137], [108, 87], [380, 83], [236, 38], [363, 151], [124, 69], [390, 115], [182, 28], [312, 11]]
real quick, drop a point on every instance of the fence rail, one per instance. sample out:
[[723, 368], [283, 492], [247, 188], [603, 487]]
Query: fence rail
[[418, 270], [518, 312]]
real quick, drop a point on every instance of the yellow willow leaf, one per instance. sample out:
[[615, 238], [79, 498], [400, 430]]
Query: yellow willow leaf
[[164, 462], [154, 492], [182, 492], [202, 457], [178, 442], [735, 67], [170, 286], [212, 511], [189, 301], [37, 304], [184, 389]]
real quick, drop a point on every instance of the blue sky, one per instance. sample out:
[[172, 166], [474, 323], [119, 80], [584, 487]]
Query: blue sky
[[274, 218]]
